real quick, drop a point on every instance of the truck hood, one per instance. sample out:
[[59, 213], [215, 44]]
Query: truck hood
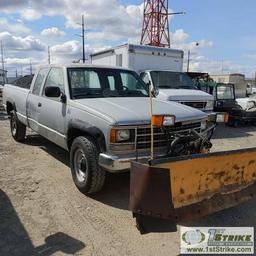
[[243, 102], [184, 95], [132, 111]]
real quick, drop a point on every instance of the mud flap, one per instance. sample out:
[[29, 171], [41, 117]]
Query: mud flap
[[190, 187]]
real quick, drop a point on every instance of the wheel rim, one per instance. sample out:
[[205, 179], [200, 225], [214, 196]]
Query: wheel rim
[[80, 165], [14, 126]]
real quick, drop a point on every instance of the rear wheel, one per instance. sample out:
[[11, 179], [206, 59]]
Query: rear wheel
[[88, 176], [18, 129]]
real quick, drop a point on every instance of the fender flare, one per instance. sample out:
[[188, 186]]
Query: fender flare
[[80, 128]]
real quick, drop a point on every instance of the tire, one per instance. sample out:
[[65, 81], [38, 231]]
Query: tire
[[87, 175], [18, 129]]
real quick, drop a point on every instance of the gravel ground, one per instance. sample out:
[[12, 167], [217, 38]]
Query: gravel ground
[[42, 213]]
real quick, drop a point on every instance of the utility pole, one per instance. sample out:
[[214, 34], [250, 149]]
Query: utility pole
[[82, 36], [188, 60], [2, 53], [30, 67], [189, 53], [49, 55]]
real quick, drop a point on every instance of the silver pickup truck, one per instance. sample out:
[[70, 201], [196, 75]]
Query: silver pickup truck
[[101, 116]]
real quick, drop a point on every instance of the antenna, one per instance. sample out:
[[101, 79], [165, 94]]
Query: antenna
[[155, 30]]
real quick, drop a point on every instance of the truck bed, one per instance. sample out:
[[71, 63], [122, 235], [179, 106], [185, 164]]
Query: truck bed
[[17, 96]]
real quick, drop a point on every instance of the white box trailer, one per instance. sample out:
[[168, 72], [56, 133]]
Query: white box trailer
[[140, 58], [163, 68]]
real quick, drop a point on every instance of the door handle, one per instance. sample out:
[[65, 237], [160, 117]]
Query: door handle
[[39, 104]]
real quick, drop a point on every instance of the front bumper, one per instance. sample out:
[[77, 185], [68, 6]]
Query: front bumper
[[114, 163]]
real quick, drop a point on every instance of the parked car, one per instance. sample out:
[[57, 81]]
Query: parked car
[[224, 94], [246, 113], [101, 116]]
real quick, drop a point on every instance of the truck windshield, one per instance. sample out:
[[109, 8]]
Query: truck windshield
[[172, 80], [100, 83]]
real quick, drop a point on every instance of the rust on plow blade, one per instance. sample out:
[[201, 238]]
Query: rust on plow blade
[[189, 187]]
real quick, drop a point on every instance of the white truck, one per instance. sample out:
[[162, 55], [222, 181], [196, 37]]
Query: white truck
[[101, 116], [162, 67]]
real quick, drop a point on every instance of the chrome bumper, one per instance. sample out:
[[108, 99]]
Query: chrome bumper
[[116, 164]]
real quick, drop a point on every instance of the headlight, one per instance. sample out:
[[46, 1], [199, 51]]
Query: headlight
[[204, 125], [169, 121], [210, 104], [122, 135], [162, 120]]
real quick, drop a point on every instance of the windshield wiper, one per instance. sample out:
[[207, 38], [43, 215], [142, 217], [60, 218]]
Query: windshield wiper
[[85, 95], [189, 87], [167, 87]]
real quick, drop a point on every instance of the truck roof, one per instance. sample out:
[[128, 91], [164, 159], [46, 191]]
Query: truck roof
[[134, 47], [79, 65]]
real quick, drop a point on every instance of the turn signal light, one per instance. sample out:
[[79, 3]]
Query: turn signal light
[[226, 117], [157, 120]]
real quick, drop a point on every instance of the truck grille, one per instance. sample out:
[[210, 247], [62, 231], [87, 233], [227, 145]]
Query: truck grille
[[160, 139], [198, 105]]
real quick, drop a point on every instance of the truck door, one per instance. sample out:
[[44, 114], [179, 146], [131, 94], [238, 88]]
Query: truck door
[[53, 110], [33, 100]]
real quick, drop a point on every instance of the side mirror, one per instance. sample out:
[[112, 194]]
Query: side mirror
[[52, 92], [154, 91]]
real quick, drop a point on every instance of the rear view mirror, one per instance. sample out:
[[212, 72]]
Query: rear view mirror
[[52, 92]]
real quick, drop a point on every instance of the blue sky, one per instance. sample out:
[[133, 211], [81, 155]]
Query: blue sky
[[223, 28]]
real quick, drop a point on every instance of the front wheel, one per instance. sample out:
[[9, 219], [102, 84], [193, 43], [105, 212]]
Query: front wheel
[[88, 176], [18, 129]]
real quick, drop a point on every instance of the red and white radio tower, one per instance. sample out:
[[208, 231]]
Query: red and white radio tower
[[155, 30]]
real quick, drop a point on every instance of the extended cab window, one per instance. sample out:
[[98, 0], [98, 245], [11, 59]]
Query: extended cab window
[[55, 78], [39, 81]]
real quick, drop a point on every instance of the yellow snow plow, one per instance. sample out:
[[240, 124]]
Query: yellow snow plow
[[188, 187], [189, 182]]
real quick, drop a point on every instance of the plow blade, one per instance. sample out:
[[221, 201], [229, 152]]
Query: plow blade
[[189, 187]]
